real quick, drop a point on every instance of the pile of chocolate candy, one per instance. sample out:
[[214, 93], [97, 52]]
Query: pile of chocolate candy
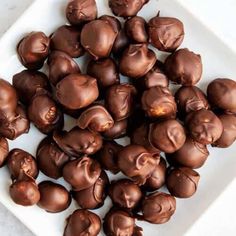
[[156, 121]]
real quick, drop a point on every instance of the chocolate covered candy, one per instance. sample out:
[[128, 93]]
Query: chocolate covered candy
[[4, 150]]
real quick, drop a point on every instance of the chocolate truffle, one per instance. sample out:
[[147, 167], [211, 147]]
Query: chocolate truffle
[[113, 21], [184, 67], [182, 182], [105, 71], [83, 222], [137, 60], [158, 102], [19, 161], [228, 136], [67, 39], [53, 197], [137, 163], [167, 136], [82, 173], [192, 154], [97, 37], [94, 196], [96, 118], [107, 156], [77, 91], [204, 126], [221, 93], [135, 28], [157, 208], [33, 49], [81, 11], [165, 33], [77, 141], [60, 65], [28, 82], [44, 113], [126, 8], [4, 150], [122, 41], [125, 194], [50, 158], [120, 100]]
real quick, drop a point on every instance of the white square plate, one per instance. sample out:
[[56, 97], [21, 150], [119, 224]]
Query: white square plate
[[218, 60]]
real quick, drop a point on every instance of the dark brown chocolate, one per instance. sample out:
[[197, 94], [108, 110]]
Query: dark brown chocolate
[[4, 150], [122, 41], [113, 21]]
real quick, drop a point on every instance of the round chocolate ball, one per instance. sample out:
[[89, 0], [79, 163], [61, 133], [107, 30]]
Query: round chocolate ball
[[4, 150], [122, 41], [184, 67], [113, 21]]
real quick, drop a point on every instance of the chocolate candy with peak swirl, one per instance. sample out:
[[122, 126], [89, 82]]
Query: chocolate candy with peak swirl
[[94, 196], [137, 60], [53, 197], [77, 141], [67, 39], [113, 21], [105, 71], [167, 136], [44, 113], [97, 37], [165, 33], [228, 136], [204, 126], [125, 194], [120, 100], [76, 91], [182, 182], [82, 173], [221, 93], [4, 150], [60, 65], [184, 67], [50, 158], [122, 41], [137, 163], [96, 118], [81, 11], [192, 154], [19, 161], [158, 102], [157, 208], [33, 49], [83, 222]]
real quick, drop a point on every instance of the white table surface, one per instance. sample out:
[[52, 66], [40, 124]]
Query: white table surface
[[220, 19]]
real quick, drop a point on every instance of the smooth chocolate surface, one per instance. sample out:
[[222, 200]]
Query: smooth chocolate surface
[[122, 41], [4, 150], [113, 21]]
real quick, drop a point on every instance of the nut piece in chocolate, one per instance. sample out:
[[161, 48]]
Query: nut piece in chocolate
[[4, 150]]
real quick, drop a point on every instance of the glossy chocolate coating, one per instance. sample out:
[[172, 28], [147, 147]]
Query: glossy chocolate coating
[[125, 194], [94, 196], [167, 136], [122, 41], [4, 150], [33, 49], [67, 39], [77, 141], [157, 208], [120, 100], [113, 21], [105, 71], [135, 28], [77, 91], [165, 33], [50, 158], [192, 154], [81, 11], [158, 102], [82, 222], [137, 60], [228, 136], [221, 93], [137, 163], [96, 118], [60, 65], [97, 37], [19, 161], [45, 113], [184, 67], [53, 197], [182, 182], [204, 126], [82, 173], [28, 82]]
